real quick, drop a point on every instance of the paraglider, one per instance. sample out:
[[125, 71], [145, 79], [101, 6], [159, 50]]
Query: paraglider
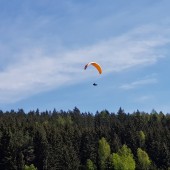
[[97, 66]]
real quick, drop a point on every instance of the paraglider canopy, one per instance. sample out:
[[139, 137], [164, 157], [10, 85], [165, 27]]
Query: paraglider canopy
[[96, 65]]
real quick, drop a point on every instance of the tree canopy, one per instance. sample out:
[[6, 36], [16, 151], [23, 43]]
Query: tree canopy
[[73, 139]]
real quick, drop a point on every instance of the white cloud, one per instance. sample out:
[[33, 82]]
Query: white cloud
[[139, 83], [144, 98], [36, 70]]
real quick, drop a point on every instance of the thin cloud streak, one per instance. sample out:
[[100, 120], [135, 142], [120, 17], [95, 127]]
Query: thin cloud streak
[[138, 83], [43, 71], [143, 99]]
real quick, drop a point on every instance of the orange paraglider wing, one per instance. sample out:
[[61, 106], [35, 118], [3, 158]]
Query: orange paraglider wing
[[96, 65]]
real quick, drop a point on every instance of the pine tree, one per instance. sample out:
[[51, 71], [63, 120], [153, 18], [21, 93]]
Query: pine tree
[[7, 154], [40, 150]]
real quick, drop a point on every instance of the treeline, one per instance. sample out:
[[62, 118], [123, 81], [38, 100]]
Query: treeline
[[71, 140]]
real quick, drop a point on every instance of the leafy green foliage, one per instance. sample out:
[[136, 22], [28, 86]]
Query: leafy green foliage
[[123, 159], [73, 140], [141, 135], [142, 138], [90, 165], [104, 153], [143, 159], [31, 167]]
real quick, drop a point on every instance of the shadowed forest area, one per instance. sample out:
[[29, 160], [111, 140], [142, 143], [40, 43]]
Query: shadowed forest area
[[72, 140]]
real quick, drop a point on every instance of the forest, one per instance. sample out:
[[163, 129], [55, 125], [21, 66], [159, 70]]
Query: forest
[[73, 140]]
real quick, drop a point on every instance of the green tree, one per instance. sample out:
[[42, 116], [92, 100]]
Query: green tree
[[141, 138], [20, 161], [70, 159], [123, 159], [7, 153], [90, 165], [143, 159], [40, 149], [104, 153], [31, 167]]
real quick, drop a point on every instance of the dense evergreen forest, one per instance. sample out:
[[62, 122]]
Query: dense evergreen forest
[[71, 140]]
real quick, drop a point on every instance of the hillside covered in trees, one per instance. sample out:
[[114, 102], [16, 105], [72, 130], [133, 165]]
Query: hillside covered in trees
[[71, 140]]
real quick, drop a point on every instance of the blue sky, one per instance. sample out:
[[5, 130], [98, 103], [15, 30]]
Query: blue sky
[[44, 46]]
